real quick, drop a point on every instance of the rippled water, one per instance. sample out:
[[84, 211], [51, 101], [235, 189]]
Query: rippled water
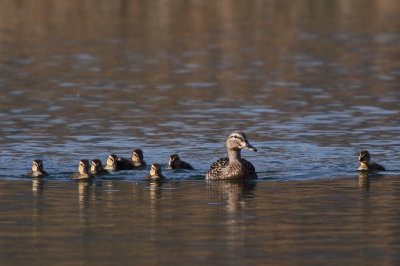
[[310, 82]]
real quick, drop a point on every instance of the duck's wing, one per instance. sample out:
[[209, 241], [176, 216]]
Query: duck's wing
[[249, 170], [217, 168]]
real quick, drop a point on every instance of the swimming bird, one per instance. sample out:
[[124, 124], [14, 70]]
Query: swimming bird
[[111, 164], [176, 163], [135, 161], [97, 168], [83, 169], [155, 172], [364, 159], [233, 166], [37, 169]]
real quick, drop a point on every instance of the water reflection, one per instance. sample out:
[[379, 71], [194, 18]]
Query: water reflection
[[234, 192], [84, 193]]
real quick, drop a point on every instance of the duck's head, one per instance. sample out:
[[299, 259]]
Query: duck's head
[[37, 166], [97, 166], [137, 156], [364, 157], [237, 140], [83, 166], [155, 169], [174, 161], [112, 160]]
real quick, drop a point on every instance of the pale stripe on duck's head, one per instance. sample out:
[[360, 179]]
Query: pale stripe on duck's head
[[83, 166], [239, 140], [37, 165], [96, 165], [364, 156]]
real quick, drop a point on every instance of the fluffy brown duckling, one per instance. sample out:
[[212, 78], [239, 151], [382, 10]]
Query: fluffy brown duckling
[[112, 164], [155, 172], [97, 168], [37, 169], [175, 162], [135, 161], [233, 166], [83, 169], [365, 164]]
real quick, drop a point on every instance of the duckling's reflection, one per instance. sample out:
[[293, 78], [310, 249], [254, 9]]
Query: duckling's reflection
[[84, 193], [155, 190], [37, 209], [233, 191], [37, 186], [365, 178]]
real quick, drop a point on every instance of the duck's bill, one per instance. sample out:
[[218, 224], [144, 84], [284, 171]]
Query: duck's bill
[[248, 147]]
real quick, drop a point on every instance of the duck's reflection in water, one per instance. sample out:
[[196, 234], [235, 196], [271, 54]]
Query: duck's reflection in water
[[37, 186], [84, 193], [234, 192], [155, 190], [237, 195], [365, 178]]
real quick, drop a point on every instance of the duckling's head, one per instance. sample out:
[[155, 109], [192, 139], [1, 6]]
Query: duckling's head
[[37, 166], [155, 169], [237, 140], [364, 157], [83, 166], [137, 156], [97, 166], [112, 160], [174, 161]]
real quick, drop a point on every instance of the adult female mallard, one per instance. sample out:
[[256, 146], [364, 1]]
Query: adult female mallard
[[233, 166]]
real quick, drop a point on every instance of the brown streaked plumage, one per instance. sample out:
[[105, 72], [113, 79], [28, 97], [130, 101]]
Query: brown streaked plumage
[[233, 166]]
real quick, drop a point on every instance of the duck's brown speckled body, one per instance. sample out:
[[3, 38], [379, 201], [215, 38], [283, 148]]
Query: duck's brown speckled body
[[365, 164], [233, 166], [37, 169], [175, 162], [83, 169]]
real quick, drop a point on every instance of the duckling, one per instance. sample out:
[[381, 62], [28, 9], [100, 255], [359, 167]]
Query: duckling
[[155, 172], [365, 165], [233, 166], [111, 164], [97, 168], [176, 163], [135, 161], [83, 169], [37, 169]]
